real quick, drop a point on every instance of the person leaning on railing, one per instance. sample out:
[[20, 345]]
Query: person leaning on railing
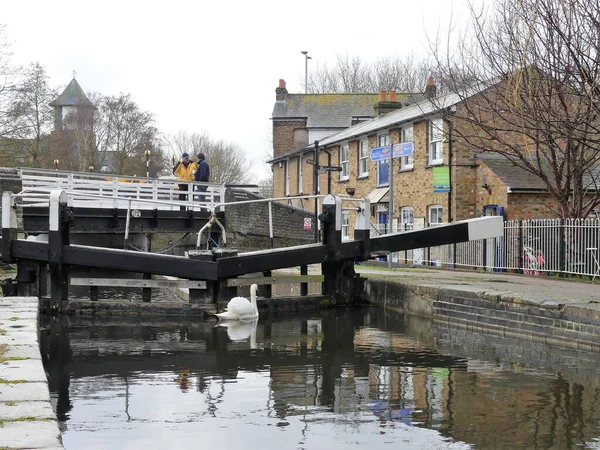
[[184, 170]]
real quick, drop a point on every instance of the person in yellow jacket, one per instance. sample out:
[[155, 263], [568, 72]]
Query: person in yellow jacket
[[184, 170]]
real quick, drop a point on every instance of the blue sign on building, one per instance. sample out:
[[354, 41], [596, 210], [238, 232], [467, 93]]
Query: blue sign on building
[[380, 153], [383, 153]]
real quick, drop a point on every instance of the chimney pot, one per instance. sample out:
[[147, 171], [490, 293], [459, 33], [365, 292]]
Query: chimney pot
[[382, 96], [392, 96]]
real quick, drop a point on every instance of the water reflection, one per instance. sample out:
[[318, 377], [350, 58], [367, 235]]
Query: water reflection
[[341, 379]]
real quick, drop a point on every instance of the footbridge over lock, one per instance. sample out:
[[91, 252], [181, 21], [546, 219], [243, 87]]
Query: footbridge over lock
[[214, 276]]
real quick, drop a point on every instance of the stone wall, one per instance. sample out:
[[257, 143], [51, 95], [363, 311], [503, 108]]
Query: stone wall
[[248, 224], [502, 315]]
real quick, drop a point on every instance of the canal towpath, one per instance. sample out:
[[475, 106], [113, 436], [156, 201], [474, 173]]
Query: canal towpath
[[27, 420]]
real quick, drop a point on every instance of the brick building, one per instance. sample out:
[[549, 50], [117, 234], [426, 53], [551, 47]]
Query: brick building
[[436, 178]]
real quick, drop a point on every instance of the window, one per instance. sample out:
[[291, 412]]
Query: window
[[287, 176], [300, 175], [407, 215], [383, 167], [435, 214], [345, 225], [344, 162], [407, 162], [436, 134], [363, 158], [382, 219]]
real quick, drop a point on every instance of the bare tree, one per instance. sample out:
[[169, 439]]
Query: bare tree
[[7, 74], [126, 132], [228, 163], [29, 112], [535, 67], [354, 75]]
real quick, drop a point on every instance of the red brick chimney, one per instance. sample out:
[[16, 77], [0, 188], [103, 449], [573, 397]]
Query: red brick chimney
[[382, 96], [430, 89], [281, 92]]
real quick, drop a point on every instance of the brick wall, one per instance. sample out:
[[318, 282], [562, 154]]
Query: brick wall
[[283, 135], [248, 224]]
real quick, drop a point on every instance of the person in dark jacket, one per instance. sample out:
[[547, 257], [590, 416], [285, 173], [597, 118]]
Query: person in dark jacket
[[202, 174]]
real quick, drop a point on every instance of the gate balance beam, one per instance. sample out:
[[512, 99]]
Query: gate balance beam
[[464, 231]]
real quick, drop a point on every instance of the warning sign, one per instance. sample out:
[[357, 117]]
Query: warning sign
[[307, 223]]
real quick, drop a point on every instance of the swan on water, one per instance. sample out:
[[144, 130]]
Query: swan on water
[[239, 308]]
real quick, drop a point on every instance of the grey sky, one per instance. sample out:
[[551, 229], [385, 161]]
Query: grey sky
[[212, 66]]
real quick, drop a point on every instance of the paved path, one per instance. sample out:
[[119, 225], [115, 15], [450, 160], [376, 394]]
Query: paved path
[[537, 289], [27, 420]]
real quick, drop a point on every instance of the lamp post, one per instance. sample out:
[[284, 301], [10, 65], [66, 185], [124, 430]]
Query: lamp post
[[56, 161], [306, 58], [147, 153]]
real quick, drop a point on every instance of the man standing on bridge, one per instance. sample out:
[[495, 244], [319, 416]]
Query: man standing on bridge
[[185, 171], [202, 174]]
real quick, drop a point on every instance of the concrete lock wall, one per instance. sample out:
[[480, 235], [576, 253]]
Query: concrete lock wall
[[248, 224]]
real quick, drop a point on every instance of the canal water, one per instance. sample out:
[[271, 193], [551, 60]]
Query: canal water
[[338, 379]]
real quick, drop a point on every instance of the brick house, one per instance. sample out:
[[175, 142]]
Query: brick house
[[435, 177]]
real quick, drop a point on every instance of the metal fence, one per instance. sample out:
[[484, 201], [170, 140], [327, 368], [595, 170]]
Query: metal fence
[[533, 247]]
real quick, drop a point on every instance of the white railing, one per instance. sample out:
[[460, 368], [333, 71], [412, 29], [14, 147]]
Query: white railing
[[114, 190], [533, 247]]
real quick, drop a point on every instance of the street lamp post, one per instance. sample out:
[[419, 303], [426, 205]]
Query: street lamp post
[[147, 152], [56, 161], [306, 58]]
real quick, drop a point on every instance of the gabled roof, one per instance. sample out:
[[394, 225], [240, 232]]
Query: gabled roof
[[325, 110], [73, 95]]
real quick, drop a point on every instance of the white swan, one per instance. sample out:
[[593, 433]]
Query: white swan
[[239, 308]]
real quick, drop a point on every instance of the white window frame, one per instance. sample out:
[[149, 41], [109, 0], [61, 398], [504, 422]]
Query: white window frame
[[435, 214], [436, 142], [300, 175], [344, 162], [363, 158], [407, 135], [383, 140], [287, 177], [407, 217], [345, 225]]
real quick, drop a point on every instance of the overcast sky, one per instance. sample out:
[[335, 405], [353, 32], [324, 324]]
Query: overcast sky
[[212, 66]]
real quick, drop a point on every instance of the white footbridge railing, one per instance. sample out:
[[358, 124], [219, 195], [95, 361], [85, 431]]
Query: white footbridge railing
[[112, 191]]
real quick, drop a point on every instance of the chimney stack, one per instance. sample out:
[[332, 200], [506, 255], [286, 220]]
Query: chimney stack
[[281, 92], [388, 102], [430, 89]]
